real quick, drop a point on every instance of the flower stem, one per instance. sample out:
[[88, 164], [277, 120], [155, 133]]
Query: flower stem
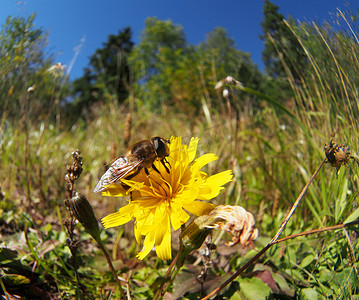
[[110, 265], [161, 290]]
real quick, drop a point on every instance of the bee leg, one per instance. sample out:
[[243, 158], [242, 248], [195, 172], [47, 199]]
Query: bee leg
[[154, 168], [148, 173], [164, 161]]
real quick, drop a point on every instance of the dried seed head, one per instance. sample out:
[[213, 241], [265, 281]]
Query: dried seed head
[[73, 172], [31, 89], [337, 154]]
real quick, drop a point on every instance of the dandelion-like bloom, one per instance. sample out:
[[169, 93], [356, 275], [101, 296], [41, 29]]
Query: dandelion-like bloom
[[163, 199]]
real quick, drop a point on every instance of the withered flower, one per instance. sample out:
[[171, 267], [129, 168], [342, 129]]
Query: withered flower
[[236, 221], [232, 219]]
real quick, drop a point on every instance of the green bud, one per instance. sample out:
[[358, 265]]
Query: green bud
[[193, 237], [82, 210]]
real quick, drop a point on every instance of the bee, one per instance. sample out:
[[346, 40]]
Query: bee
[[139, 156]]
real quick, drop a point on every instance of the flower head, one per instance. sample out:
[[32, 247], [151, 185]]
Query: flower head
[[57, 70], [162, 199]]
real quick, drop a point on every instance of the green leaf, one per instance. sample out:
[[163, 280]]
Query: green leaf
[[307, 260], [309, 294], [353, 216], [254, 288]]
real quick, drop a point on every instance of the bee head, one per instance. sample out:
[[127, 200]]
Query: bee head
[[161, 147]]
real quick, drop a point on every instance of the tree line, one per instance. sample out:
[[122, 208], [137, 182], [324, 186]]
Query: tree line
[[162, 71]]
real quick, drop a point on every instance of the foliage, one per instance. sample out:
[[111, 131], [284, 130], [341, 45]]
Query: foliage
[[157, 59], [24, 64], [283, 56], [108, 76], [169, 71], [280, 44]]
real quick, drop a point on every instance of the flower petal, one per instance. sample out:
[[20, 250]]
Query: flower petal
[[202, 161], [114, 190], [148, 244], [121, 217], [212, 185], [178, 216], [192, 149], [138, 234], [163, 250], [199, 208]]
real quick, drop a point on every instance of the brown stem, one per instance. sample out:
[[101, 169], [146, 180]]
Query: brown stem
[[296, 203], [313, 231], [272, 242]]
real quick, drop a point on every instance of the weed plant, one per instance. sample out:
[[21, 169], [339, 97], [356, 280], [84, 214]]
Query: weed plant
[[272, 151]]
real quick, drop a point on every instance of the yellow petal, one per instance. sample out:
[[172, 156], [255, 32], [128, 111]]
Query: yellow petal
[[121, 217], [202, 161], [114, 190], [138, 234], [175, 149], [163, 249], [178, 216], [148, 244], [212, 185], [192, 149], [199, 208]]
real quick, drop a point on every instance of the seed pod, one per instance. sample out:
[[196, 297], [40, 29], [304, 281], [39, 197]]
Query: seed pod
[[82, 210]]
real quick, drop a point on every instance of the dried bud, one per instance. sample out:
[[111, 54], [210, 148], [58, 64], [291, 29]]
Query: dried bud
[[337, 154], [232, 219], [83, 212]]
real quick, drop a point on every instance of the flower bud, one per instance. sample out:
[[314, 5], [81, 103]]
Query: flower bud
[[82, 210]]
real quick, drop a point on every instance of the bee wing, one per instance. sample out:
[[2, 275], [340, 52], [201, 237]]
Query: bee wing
[[120, 168]]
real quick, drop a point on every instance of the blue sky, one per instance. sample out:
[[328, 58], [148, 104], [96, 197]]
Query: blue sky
[[71, 23]]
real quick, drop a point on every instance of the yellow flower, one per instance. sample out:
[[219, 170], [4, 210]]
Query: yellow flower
[[161, 200]]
